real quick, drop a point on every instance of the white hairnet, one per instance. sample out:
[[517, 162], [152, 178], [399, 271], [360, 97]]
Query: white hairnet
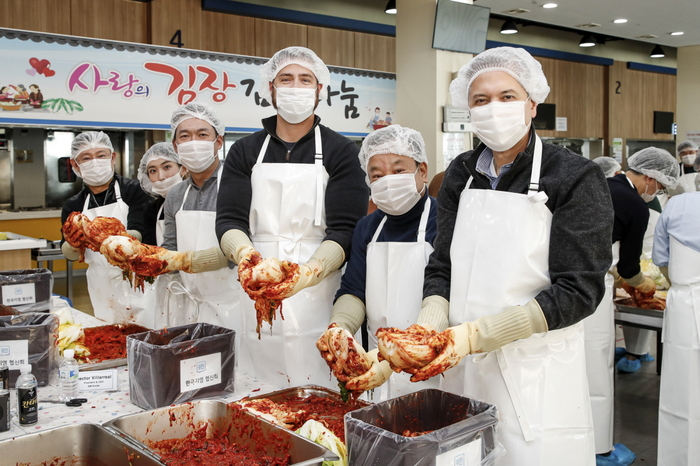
[[609, 165], [198, 110], [685, 145], [90, 140], [656, 163], [393, 139], [293, 56], [161, 150], [515, 61]]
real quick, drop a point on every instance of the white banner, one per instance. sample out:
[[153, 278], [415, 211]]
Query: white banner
[[70, 81]]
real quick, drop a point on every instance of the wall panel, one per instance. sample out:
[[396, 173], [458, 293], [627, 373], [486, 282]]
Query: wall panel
[[578, 90], [228, 33], [271, 36], [110, 19], [374, 52], [335, 47], [169, 16], [36, 15]]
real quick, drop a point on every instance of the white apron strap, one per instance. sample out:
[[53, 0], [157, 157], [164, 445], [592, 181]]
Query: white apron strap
[[318, 161], [469, 182], [378, 230], [515, 396], [261, 155], [176, 288], [533, 191], [423, 226], [117, 193], [160, 211], [184, 198]]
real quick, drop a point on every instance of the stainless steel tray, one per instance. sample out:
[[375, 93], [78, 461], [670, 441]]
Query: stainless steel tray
[[637, 310], [304, 391], [82, 444], [178, 421]]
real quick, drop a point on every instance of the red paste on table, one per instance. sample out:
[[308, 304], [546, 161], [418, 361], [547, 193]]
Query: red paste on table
[[328, 411], [197, 449], [108, 341]]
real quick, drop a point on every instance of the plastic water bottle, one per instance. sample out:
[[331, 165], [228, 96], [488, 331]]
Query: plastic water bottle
[[27, 404], [68, 373]]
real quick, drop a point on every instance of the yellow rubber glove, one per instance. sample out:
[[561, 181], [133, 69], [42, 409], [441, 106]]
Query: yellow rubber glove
[[485, 334], [135, 233], [207, 260], [328, 258], [664, 272], [647, 286], [236, 246], [373, 378], [619, 281], [69, 252]]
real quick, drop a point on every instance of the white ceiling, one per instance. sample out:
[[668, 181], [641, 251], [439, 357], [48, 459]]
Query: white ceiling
[[645, 17]]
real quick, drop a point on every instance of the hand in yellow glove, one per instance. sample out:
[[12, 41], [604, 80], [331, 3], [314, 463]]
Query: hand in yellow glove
[[374, 377], [648, 286], [619, 281], [457, 345], [69, 252], [328, 258]]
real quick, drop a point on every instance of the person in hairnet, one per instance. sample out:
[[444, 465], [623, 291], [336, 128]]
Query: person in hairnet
[[688, 153], [609, 165], [521, 253], [677, 252], [159, 171], [108, 194], [190, 215], [293, 191], [651, 171], [383, 280]]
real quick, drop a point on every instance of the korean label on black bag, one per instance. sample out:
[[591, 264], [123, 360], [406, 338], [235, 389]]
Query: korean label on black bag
[[200, 372], [28, 405]]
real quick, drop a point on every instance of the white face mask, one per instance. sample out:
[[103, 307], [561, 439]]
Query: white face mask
[[196, 156], [649, 197], [162, 187], [396, 194], [688, 159], [295, 104], [500, 125], [96, 172]]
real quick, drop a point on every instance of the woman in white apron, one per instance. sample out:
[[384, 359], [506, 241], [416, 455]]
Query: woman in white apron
[[159, 171], [395, 161], [677, 245]]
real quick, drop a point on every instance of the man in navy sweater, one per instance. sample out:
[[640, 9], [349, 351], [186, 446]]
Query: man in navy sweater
[[383, 280]]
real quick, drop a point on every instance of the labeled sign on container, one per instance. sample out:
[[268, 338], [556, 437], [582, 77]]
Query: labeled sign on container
[[15, 295], [200, 372], [14, 353]]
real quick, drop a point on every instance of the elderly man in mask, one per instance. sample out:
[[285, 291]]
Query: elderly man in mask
[[520, 258], [108, 194], [383, 281], [292, 192], [190, 215]]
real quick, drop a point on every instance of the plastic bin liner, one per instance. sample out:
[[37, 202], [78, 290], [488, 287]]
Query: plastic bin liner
[[461, 431], [40, 332], [179, 364], [26, 290]]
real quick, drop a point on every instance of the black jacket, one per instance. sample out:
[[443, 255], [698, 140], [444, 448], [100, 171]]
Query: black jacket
[[582, 217], [132, 195], [150, 220], [631, 221], [346, 194]]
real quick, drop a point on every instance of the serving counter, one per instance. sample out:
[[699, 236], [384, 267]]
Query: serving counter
[[15, 251]]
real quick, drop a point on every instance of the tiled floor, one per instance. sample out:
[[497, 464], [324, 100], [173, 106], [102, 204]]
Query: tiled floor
[[636, 394]]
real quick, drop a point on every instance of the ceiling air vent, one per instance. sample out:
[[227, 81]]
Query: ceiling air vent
[[648, 36], [517, 11], [588, 25]]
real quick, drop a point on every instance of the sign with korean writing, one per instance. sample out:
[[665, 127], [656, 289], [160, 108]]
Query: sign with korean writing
[[200, 372], [62, 80], [13, 295], [105, 380], [14, 353]]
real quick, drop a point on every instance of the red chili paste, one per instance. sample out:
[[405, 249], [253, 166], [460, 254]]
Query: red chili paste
[[108, 341], [328, 411]]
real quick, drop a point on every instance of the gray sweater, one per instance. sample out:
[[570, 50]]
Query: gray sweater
[[582, 219]]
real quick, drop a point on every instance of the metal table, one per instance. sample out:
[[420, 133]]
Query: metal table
[[648, 319], [52, 252]]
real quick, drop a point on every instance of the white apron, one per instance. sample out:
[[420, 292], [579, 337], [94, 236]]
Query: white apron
[[215, 294], [393, 295], [287, 221], [679, 398], [113, 299], [687, 182], [160, 227], [599, 330], [499, 255]]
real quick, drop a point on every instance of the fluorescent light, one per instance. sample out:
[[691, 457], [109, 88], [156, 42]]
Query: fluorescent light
[[678, 33], [509, 27], [620, 21], [587, 41], [549, 5]]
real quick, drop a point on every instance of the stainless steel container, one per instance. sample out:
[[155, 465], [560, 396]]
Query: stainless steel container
[[178, 421], [83, 444]]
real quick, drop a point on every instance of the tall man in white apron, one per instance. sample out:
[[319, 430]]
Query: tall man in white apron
[[649, 169], [522, 250], [677, 247], [293, 191], [190, 213], [107, 194], [159, 171], [383, 280]]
